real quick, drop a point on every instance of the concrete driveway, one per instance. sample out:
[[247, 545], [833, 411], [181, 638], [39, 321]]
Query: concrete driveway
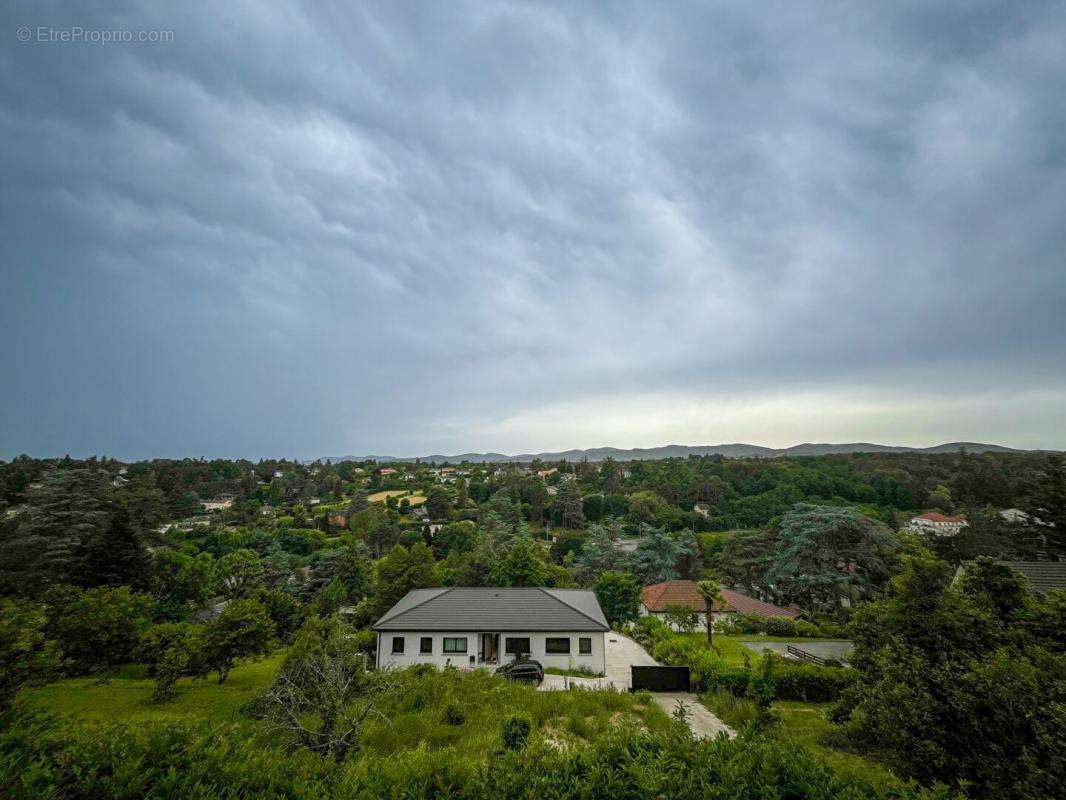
[[621, 653]]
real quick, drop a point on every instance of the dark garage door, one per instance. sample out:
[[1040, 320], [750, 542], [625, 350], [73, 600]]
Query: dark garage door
[[661, 679]]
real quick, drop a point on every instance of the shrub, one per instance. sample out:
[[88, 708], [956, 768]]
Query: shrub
[[812, 683], [97, 628], [453, 715], [26, 654], [158, 639], [48, 757], [516, 730]]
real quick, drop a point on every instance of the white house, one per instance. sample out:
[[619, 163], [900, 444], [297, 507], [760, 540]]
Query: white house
[[220, 503], [937, 524], [484, 627], [657, 598]]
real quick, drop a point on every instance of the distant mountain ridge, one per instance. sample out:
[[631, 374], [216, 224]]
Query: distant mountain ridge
[[737, 450]]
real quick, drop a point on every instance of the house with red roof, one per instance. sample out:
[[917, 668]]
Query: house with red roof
[[938, 524], [656, 598]]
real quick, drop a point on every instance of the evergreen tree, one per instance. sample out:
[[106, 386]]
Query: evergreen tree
[[114, 556], [569, 510]]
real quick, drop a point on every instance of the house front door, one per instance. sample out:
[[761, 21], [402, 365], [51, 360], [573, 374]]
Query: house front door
[[490, 647]]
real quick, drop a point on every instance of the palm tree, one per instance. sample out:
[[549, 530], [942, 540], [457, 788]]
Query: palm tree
[[711, 592]]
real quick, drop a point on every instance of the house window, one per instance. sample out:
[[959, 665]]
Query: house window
[[517, 646], [425, 647], [557, 645], [397, 644], [454, 644], [584, 646]]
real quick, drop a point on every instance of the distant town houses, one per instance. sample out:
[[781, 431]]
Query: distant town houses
[[937, 524], [220, 503]]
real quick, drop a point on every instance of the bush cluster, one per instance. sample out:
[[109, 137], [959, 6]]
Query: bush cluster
[[750, 624], [45, 757], [791, 680]]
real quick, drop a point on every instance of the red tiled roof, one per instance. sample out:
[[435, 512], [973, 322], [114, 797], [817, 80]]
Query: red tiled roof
[[660, 595], [934, 516]]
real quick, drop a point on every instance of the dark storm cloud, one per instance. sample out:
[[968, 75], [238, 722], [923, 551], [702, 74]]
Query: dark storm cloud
[[305, 228]]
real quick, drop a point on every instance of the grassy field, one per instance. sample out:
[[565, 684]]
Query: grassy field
[[123, 696], [731, 649], [563, 718], [381, 497], [416, 718], [806, 725]]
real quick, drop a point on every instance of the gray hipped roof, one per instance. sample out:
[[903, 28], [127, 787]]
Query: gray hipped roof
[[492, 609], [1043, 576]]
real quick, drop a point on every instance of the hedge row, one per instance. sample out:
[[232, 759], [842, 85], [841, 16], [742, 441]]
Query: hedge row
[[791, 680]]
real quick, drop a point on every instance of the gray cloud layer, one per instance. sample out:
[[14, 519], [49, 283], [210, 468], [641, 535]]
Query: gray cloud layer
[[412, 227]]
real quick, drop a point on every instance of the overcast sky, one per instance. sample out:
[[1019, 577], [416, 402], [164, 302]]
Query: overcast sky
[[302, 229]]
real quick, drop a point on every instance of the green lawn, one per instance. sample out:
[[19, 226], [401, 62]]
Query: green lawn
[[123, 695], [416, 718], [731, 649], [806, 724]]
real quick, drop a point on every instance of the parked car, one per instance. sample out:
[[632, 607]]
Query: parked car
[[523, 669]]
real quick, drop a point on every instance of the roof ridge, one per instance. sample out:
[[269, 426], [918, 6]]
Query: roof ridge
[[387, 618], [572, 607]]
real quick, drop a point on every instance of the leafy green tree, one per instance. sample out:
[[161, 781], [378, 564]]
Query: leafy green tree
[[567, 543], [329, 599], [27, 655], [324, 692], [952, 688], [99, 627], [593, 507], [438, 504], [539, 499], [645, 507], [181, 582], [1048, 504], [598, 554], [358, 502], [525, 564], [995, 586], [681, 617], [569, 510], [401, 570], [619, 596], [239, 574], [284, 611], [658, 555], [455, 537], [243, 630], [826, 554]]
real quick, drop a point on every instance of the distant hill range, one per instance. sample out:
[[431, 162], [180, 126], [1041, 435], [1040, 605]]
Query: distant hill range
[[682, 451]]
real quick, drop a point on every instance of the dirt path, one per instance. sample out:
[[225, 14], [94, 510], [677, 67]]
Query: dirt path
[[703, 723]]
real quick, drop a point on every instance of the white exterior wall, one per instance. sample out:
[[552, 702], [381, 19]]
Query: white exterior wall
[[595, 661], [702, 617]]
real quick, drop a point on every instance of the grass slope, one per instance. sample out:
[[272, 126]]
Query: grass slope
[[123, 695], [416, 718]]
